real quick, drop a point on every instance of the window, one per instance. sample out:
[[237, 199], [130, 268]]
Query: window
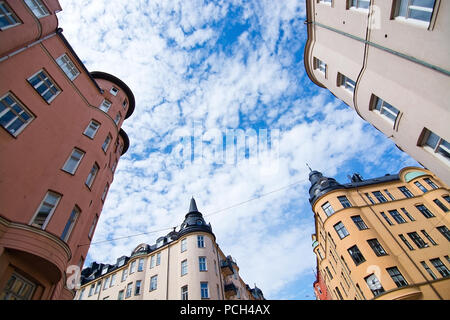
[[46, 209], [389, 194], [320, 65], [445, 232], [37, 7], [202, 263], [402, 237], [204, 292], [184, 293], [406, 192], [386, 110], [431, 183], [200, 241], [397, 277], [410, 217], [106, 143], [141, 265], [356, 255], [68, 67], [124, 103], [183, 245], [417, 10], [158, 258], [133, 266], [359, 222], [424, 210], [105, 106], [114, 91], [113, 280], [362, 4], [344, 201], [152, 261], [376, 247], [427, 268], [106, 283], [325, 1], [137, 288], [70, 223], [91, 176], [14, 117], [91, 129], [129, 289], [183, 267], [374, 285], [117, 119], [81, 294], [73, 161], [417, 240], [339, 293], [380, 197], [420, 186], [329, 273], [434, 143], [340, 229], [105, 192], [428, 237], [440, 267], [17, 288], [98, 287], [386, 218], [347, 83], [120, 296], [7, 17], [370, 198], [397, 216], [124, 274], [328, 209], [153, 283], [91, 290], [91, 229], [44, 85], [440, 205]]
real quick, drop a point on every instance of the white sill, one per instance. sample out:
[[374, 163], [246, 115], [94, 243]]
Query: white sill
[[415, 22], [361, 10], [437, 155]]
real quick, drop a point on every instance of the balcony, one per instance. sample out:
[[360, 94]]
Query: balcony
[[227, 266], [230, 290]]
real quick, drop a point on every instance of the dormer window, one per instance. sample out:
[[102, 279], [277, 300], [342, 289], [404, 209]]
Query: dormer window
[[121, 262]]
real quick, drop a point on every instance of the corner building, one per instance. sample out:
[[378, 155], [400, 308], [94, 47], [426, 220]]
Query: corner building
[[186, 264], [384, 238], [60, 142], [388, 60]]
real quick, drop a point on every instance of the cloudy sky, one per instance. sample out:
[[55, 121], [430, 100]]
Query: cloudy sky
[[201, 71]]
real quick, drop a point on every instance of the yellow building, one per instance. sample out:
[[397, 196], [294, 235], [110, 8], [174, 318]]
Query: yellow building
[[385, 238], [183, 265]]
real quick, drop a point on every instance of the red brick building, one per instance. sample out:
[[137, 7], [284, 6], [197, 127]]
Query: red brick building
[[60, 141]]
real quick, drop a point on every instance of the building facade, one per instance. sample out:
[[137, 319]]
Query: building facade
[[60, 141], [186, 264], [388, 60], [385, 238]]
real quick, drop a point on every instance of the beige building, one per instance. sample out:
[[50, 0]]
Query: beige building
[[186, 264], [385, 238], [388, 60]]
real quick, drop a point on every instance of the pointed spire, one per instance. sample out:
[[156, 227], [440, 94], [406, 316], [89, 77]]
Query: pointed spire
[[193, 206], [310, 170]]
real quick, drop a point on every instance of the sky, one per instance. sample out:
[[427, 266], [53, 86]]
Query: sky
[[225, 113]]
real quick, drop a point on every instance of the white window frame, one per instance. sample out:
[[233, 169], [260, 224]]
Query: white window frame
[[92, 175], [357, 5], [105, 105], [91, 126], [21, 116], [386, 110], [52, 210], [107, 142], [70, 224], [201, 241], [346, 83], [320, 66], [154, 283], [73, 158], [118, 118], [328, 209], [406, 15], [183, 245], [204, 290], [114, 91], [42, 76], [202, 262], [440, 144], [66, 65], [8, 13], [184, 292], [38, 8], [326, 2], [184, 267]]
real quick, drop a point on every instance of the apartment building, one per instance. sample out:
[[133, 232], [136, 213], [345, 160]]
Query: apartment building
[[388, 60], [384, 238], [60, 142], [187, 264]]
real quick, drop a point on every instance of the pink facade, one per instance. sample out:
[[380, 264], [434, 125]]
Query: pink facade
[[60, 141]]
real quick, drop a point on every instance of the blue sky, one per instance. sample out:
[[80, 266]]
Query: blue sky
[[202, 70]]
